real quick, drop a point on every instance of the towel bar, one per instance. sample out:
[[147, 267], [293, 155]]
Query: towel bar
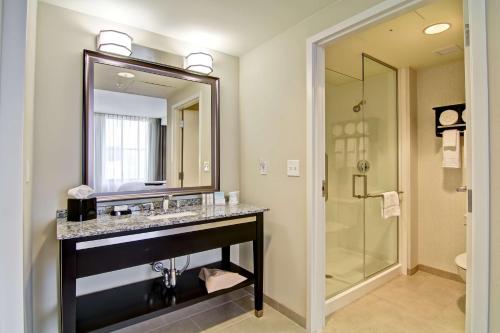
[[379, 195], [365, 194]]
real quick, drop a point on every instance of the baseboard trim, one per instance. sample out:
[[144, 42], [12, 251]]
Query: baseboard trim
[[439, 272], [411, 271], [287, 312], [284, 310]]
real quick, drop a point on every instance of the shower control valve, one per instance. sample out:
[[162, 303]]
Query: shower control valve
[[363, 166]]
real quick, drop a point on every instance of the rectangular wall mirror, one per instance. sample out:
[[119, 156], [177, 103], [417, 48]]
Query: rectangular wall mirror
[[149, 129]]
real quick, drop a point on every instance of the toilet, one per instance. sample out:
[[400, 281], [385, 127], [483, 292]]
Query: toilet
[[461, 262]]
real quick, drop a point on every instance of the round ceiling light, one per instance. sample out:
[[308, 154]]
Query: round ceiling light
[[126, 75], [437, 28]]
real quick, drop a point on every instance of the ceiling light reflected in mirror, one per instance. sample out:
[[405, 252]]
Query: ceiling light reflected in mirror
[[126, 75]]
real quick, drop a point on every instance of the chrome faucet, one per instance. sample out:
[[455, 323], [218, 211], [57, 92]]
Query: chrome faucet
[[147, 207]]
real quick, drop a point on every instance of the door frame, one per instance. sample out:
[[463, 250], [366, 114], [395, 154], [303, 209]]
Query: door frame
[[173, 135], [477, 310]]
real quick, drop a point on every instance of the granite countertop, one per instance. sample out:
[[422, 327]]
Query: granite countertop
[[107, 224]]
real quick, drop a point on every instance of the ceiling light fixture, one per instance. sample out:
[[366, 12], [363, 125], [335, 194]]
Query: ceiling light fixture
[[199, 62], [437, 28], [126, 75], [113, 41]]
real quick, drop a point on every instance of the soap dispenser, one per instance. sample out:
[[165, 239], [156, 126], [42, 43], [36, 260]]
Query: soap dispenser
[[166, 202]]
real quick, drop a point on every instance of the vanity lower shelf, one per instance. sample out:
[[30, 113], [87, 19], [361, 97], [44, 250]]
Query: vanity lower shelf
[[119, 307]]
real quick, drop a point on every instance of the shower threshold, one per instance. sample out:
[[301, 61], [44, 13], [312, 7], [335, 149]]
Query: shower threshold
[[362, 288]]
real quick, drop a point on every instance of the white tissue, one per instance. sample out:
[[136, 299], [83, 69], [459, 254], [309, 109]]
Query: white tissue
[[80, 192]]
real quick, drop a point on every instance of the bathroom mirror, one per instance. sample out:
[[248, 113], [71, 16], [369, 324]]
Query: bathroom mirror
[[149, 129]]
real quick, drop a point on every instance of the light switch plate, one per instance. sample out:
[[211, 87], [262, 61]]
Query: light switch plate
[[206, 166], [263, 167], [293, 168]]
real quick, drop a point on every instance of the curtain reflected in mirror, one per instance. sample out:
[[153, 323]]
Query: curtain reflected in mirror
[[129, 151], [150, 131]]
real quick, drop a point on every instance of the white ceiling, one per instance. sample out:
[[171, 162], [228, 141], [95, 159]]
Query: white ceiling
[[401, 42], [146, 84], [230, 26]]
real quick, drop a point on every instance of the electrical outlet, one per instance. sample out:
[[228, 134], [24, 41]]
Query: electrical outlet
[[293, 168], [206, 166], [263, 167]]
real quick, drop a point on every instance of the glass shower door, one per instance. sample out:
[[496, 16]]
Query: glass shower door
[[362, 158], [381, 152], [344, 214]]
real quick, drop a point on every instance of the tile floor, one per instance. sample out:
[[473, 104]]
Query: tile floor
[[422, 303]]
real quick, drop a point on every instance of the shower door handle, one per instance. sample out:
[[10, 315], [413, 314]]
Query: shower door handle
[[325, 182], [365, 186]]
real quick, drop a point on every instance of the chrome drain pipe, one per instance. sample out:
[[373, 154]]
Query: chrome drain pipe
[[170, 274]]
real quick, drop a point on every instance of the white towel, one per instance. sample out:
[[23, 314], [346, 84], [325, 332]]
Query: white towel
[[464, 154], [339, 145], [339, 149], [390, 204], [450, 138], [351, 158], [349, 128], [363, 146], [216, 279], [337, 130], [451, 152]]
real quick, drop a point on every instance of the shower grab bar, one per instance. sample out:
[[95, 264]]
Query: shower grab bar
[[365, 195]]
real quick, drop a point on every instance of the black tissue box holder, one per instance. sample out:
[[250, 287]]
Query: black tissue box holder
[[82, 209]]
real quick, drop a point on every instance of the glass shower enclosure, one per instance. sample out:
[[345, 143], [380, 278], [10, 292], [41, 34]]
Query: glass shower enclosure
[[362, 162]]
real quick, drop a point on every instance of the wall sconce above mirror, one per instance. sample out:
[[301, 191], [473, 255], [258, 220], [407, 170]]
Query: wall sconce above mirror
[[199, 62], [149, 129], [113, 41]]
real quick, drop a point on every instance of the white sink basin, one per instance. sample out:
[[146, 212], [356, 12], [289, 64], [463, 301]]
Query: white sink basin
[[171, 215]]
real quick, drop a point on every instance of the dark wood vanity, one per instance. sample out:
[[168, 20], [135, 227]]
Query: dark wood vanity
[[149, 131], [83, 253]]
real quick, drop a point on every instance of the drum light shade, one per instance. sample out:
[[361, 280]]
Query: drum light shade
[[199, 62], [113, 41]]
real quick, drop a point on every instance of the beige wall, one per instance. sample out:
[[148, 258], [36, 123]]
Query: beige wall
[[493, 8], [273, 127], [441, 209], [61, 37]]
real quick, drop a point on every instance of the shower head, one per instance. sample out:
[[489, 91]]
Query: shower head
[[357, 107]]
